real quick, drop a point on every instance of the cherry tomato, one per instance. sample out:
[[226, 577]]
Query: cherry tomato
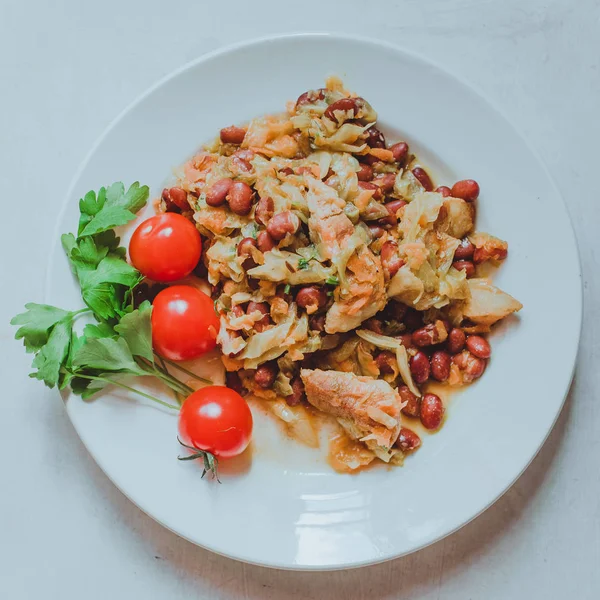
[[216, 419], [166, 247], [184, 323]]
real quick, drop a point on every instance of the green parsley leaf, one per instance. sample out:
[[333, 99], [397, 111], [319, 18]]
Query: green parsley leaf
[[107, 354], [303, 263], [36, 323], [287, 288], [110, 208], [49, 359], [135, 328], [100, 330], [333, 280]]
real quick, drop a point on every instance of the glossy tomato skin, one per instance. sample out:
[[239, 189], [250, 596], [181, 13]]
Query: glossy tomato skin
[[165, 247], [184, 323], [216, 419]]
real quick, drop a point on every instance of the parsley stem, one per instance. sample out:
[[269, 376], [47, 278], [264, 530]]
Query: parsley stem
[[126, 387], [188, 372]]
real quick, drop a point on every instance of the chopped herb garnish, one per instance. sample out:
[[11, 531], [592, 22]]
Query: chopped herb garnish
[[287, 288], [333, 280]]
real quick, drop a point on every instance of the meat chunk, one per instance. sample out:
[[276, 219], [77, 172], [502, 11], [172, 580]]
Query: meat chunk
[[456, 217], [371, 404], [364, 296], [488, 303], [328, 224]]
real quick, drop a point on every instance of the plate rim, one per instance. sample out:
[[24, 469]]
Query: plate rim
[[398, 49]]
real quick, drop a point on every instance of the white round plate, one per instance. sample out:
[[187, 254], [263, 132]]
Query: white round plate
[[285, 507]]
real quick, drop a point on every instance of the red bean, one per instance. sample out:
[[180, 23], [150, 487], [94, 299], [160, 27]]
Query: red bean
[[392, 207], [233, 381], [374, 325], [282, 224], [310, 97], [376, 231], [343, 104], [175, 198], [431, 334], [390, 260], [465, 250], [217, 192], [444, 190], [387, 363], [237, 311], [375, 139], [408, 440], [367, 185], [297, 394], [244, 248], [400, 151], [412, 402], [465, 265], [311, 297], [316, 322], [440, 365], [232, 135], [240, 198], [479, 346], [471, 367], [242, 160], [265, 375], [489, 253], [406, 339], [467, 189], [365, 172], [264, 241], [385, 182], [432, 411], [456, 340], [419, 367], [264, 210], [263, 308], [423, 178]]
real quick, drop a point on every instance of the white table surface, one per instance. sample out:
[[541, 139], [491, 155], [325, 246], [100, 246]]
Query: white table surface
[[67, 68]]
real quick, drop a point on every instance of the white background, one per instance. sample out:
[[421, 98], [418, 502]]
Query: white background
[[66, 69]]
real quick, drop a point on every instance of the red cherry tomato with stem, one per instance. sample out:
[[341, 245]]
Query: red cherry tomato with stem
[[216, 419], [165, 247], [184, 323]]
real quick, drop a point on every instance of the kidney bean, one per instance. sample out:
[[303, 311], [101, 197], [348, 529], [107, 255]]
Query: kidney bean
[[413, 402], [419, 367], [413, 319], [479, 346], [406, 339], [385, 182], [367, 185], [237, 311], [374, 324], [240, 198], [465, 265], [297, 394], [310, 97], [232, 135], [440, 365], [432, 411], [482, 254], [392, 207], [265, 375], [376, 231], [244, 248], [369, 159], [423, 178], [311, 297], [387, 363], [282, 224], [233, 381], [408, 440], [286, 171], [242, 160], [431, 334], [444, 190], [175, 198], [375, 139], [400, 151], [467, 189], [365, 172], [316, 322], [390, 260], [264, 241], [263, 309], [471, 367], [456, 340], [343, 104], [465, 250], [217, 192], [264, 210]]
